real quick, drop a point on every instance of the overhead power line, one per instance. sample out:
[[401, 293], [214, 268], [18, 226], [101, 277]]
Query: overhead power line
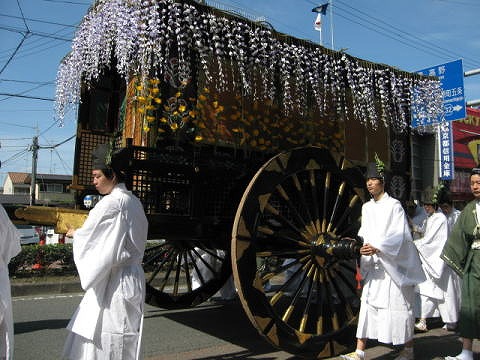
[[28, 97], [15, 51], [36, 33], [68, 2], [402, 34], [28, 82], [363, 19], [38, 20]]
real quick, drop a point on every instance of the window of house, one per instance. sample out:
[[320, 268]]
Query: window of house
[[51, 188], [21, 190]]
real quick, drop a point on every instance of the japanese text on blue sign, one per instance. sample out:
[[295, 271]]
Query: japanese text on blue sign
[[447, 169], [450, 76]]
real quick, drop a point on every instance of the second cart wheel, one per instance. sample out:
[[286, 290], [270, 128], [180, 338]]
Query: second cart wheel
[[184, 273], [294, 252]]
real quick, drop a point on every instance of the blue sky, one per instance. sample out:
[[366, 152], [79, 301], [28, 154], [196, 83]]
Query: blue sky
[[410, 35]]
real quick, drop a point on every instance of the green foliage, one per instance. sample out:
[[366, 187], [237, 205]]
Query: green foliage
[[380, 165], [56, 259], [36, 260]]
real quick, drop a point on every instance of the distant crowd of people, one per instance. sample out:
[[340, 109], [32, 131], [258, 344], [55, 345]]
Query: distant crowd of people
[[417, 264]]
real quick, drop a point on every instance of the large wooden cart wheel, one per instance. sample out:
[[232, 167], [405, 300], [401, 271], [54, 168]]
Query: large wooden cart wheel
[[294, 252], [184, 273]]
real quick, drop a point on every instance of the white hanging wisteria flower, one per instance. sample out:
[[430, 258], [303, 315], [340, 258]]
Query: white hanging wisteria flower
[[138, 38]]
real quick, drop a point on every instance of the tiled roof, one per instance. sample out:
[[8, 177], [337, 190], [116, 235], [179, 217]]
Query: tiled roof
[[24, 178], [19, 177]]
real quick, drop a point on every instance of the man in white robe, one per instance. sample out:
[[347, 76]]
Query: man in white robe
[[438, 295], [453, 282], [416, 219], [108, 251], [450, 212], [9, 247], [390, 268]]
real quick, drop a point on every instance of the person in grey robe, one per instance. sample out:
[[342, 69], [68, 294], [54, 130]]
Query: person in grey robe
[[108, 250]]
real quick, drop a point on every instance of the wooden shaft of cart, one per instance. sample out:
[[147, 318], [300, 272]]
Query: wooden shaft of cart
[[61, 218]]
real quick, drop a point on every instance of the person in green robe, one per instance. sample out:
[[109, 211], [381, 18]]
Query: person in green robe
[[462, 253]]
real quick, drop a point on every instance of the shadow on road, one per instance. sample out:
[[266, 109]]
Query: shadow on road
[[31, 326], [227, 322]]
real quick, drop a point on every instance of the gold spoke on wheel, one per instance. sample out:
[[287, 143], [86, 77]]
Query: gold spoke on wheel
[[313, 195], [309, 225], [326, 191], [341, 189], [277, 296], [321, 286], [303, 322], [274, 234], [278, 216], [294, 210], [291, 307], [282, 253]]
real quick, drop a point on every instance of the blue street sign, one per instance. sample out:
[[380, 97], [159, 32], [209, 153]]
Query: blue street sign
[[451, 82]]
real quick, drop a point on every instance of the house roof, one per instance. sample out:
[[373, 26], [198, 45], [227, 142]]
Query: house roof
[[43, 177], [24, 178], [19, 177]]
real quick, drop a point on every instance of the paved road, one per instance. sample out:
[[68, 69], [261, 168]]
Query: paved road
[[207, 332]]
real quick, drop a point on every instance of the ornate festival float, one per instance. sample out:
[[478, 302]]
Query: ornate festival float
[[244, 145]]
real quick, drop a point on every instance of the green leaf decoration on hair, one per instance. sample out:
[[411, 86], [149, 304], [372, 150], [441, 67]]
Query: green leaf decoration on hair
[[380, 165], [108, 155], [436, 193]]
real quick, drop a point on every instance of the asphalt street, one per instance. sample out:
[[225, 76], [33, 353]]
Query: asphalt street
[[206, 332]]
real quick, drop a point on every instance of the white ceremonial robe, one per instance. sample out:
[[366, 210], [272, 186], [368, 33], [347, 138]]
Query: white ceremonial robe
[[9, 247], [386, 311], [452, 219], [451, 282], [108, 251], [439, 292]]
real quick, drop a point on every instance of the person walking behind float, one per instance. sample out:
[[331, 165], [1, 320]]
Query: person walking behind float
[[437, 295], [452, 214], [9, 247], [462, 253], [455, 283], [416, 217], [108, 251], [390, 267]]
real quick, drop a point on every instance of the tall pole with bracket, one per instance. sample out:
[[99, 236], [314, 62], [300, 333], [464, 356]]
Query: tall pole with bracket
[[33, 181]]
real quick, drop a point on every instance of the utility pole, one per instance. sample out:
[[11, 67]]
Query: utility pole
[[33, 182]]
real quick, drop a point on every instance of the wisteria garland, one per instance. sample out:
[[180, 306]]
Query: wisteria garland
[[141, 34]]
